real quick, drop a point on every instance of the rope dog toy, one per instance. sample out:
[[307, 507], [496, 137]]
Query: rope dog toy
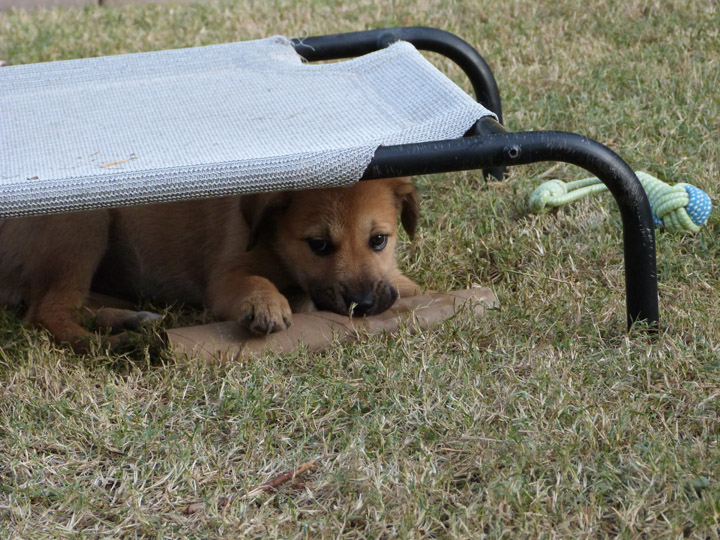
[[677, 208]]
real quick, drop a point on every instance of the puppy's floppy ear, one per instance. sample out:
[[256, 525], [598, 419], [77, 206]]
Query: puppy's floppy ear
[[408, 203], [260, 212]]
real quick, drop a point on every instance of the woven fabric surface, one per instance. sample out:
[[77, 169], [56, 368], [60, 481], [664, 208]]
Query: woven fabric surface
[[210, 121]]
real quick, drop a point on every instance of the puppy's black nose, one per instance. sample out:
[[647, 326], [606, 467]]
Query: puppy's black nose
[[360, 304]]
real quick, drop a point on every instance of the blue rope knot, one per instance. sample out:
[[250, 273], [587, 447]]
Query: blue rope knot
[[681, 207], [699, 206]]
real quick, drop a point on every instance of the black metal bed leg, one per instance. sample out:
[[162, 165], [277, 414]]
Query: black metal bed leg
[[507, 149], [483, 127], [637, 221]]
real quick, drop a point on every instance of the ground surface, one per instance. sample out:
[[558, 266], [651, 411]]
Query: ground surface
[[545, 419]]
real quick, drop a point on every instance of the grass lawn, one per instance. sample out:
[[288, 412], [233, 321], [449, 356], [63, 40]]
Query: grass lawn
[[544, 419]]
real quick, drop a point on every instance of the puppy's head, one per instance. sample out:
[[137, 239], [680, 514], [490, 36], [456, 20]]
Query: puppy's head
[[338, 244]]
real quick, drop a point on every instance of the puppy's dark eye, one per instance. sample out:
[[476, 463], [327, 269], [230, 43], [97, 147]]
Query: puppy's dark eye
[[320, 246], [378, 241]]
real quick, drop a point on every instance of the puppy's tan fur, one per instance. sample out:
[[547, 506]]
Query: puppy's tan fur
[[239, 256]]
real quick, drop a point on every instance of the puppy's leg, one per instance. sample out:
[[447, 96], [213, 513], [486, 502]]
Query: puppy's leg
[[60, 255], [122, 319], [58, 311], [253, 301], [116, 314]]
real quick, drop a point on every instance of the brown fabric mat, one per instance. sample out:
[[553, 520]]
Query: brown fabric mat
[[317, 330]]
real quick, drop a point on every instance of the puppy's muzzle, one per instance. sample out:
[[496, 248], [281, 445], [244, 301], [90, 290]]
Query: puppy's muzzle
[[356, 301]]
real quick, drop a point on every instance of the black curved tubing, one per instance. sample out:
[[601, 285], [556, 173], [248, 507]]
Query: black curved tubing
[[352, 44], [507, 149]]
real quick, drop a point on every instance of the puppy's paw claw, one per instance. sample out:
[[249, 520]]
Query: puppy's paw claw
[[264, 315], [265, 327]]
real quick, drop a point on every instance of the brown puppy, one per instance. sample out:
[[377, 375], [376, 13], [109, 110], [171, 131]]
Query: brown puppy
[[234, 255]]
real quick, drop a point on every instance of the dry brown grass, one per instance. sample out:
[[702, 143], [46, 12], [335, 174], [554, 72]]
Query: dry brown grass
[[544, 420]]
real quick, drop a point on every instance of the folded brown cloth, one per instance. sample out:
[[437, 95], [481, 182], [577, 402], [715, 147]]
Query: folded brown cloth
[[317, 330]]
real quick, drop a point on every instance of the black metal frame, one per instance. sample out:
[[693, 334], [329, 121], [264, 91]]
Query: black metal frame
[[490, 147]]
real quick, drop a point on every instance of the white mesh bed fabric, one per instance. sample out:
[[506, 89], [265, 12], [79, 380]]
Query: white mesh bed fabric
[[210, 121]]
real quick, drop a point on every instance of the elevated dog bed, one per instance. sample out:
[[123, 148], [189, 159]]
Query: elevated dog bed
[[255, 116], [208, 121]]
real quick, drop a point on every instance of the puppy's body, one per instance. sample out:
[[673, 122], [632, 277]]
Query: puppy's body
[[334, 245], [170, 252]]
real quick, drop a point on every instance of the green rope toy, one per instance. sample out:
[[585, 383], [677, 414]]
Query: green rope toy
[[677, 208]]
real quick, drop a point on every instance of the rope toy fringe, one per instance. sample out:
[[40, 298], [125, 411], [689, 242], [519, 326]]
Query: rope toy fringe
[[678, 208]]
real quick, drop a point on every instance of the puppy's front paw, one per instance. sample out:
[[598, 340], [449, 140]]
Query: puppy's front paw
[[264, 312]]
